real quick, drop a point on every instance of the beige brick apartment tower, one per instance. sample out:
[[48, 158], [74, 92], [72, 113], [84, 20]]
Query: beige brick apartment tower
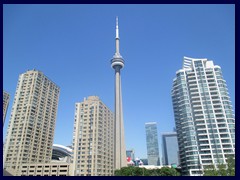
[[6, 98], [93, 139], [32, 122], [117, 63]]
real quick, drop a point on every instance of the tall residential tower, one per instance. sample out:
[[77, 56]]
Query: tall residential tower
[[32, 122], [93, 140], [152, 143], [6, 97], [117, 64], [204, 117]]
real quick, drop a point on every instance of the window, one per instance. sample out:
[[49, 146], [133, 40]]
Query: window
[[64, 170]]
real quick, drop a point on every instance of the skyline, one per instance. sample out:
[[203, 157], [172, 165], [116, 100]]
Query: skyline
[[64, 41]]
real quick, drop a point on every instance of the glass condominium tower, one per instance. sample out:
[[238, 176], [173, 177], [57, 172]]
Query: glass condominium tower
[[204, 117], [32, 122], [152, 143]]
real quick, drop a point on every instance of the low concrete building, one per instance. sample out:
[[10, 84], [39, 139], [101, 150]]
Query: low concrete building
[[47, 169], [152, 166]]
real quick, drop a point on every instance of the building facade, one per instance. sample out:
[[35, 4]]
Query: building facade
[[32, 122], [145, 161], [130, 154], [6, 98], [170, 149], [204, 117], [152, 143], [46, 169], [93, 139]]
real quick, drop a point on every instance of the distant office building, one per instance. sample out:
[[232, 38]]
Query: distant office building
[[93, 139], [204, 116], [131, 154], [145, 161], [31, 127], [6, 98], [170, 149], [152, 143], [61, 153], [130, 157]]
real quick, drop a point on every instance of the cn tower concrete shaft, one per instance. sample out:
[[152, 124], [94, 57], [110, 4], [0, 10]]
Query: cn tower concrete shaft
[[117, 63], [120, 150]]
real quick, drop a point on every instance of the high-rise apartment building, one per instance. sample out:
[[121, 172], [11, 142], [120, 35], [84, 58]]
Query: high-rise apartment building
[[93, 139], [32, 122], [152, 143], [6, 98], [204, 117], [170, 149]]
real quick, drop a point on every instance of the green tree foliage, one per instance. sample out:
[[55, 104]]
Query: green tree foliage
[[222, 169], [136, 171], [165, 171], [231, 166], [210, 171]]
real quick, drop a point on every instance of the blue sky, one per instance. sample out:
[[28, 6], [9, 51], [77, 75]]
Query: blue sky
[[73, 46]]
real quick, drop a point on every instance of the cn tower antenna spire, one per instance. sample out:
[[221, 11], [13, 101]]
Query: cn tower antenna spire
[[117, 39], [117, 31]]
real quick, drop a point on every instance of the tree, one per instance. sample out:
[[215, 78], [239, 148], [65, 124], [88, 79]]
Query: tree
[[231, 166], [166, 171], [124, 171], [222, 169], [136, 171], [210, 171], [154, 172]]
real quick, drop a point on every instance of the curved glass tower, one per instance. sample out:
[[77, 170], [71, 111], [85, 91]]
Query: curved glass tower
[[204, 116]]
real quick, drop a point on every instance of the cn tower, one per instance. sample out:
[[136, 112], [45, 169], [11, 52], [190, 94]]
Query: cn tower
[[117, 64]]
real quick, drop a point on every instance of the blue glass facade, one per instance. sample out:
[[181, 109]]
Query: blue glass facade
[[152, 143], [131, 154], [204, 117], [170, 148]]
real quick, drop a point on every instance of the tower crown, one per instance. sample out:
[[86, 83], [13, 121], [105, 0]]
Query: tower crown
[[117, 60]]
